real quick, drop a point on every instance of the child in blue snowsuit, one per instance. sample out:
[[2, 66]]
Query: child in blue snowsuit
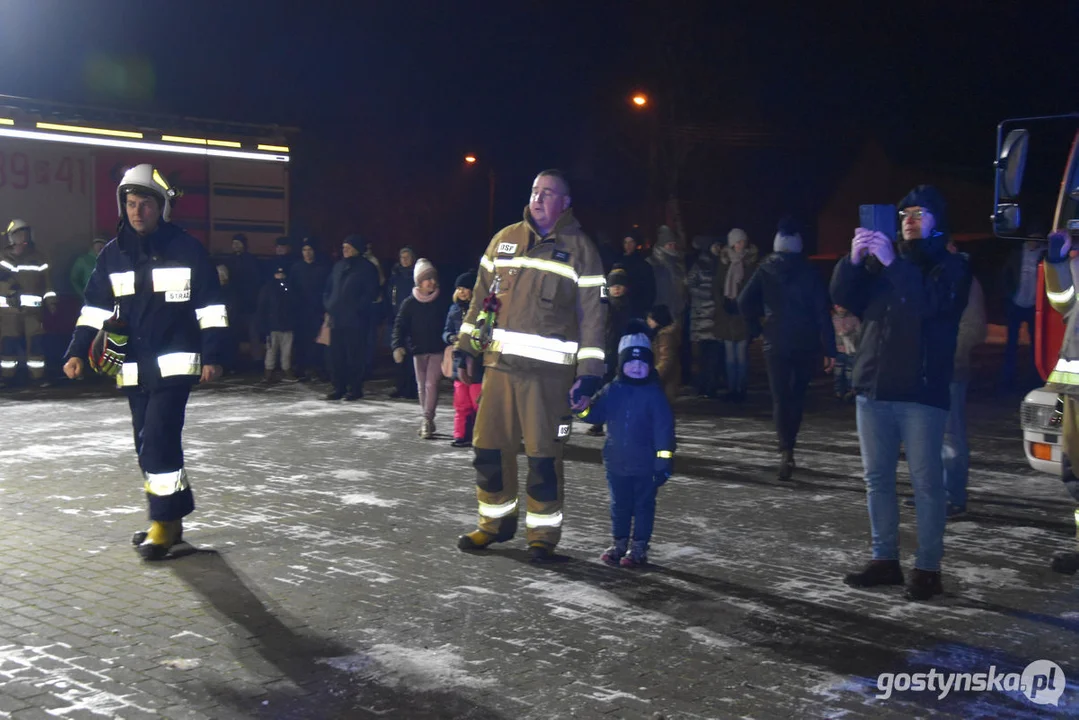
[[639, 448]]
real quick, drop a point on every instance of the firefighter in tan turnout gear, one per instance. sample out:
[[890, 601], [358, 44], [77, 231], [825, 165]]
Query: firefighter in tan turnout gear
[[537, 318], [25, 288]]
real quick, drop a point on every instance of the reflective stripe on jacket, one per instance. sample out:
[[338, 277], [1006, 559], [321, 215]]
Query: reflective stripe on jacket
[[167, 291], [551, 292]]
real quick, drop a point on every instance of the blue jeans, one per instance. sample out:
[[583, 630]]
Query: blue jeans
[[882, 426], [736, 364], [633, 498], [956, 451]]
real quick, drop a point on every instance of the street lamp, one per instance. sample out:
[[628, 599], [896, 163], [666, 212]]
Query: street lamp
[[472, 160], [639, 100]]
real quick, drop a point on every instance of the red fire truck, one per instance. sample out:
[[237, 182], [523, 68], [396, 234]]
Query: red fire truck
[[60, 164], [1041, 409]]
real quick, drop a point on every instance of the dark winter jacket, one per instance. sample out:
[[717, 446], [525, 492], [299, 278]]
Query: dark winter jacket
[[642, 283], [308, 281], [791, 298], [639, 422], [168, 293], [910, 315], [350, 292], [454, 317], [246, 277], [399, 286], [419, 325], [619, 313], [276, 308], [702, 301], [670, 277]]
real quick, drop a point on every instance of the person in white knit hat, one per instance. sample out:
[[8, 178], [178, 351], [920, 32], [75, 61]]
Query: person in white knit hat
[[417, 331]]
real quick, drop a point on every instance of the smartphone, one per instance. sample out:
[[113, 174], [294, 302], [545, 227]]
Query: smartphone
[[882, 218]]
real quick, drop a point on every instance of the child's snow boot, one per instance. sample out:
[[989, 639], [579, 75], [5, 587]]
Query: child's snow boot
[[612, 555], [637, 556]]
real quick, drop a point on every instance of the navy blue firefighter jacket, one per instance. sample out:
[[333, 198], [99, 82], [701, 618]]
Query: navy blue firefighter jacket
[[168, 293]]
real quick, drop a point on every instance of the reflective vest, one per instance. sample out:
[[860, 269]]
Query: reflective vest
[[24, 279]]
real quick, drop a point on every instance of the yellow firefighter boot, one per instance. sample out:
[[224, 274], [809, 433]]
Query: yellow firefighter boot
[[475, 540], [156, 542]]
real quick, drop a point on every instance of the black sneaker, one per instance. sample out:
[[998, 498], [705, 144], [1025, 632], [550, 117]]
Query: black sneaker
[[786, 465], [954, 512], [461, 442], [334, 396], [352, 397], [924, 584], [1066, 563], [877, 572]]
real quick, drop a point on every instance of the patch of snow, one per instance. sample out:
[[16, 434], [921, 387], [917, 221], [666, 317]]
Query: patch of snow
[[423, 669]]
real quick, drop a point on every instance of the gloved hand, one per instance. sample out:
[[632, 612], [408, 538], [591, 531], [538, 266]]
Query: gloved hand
[[1060, 244], [661, 471], [462, 364], [583, 389], [399, 355]]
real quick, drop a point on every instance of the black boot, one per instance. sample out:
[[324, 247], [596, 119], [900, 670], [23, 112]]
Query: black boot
[[786, 464], [1065, 563], [924, 584], [540, 553], [877, 572]]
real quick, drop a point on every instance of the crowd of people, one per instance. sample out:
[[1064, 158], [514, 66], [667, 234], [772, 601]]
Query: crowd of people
[[544, 330]]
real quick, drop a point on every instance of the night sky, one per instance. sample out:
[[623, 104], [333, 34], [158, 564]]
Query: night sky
[[389, 96]]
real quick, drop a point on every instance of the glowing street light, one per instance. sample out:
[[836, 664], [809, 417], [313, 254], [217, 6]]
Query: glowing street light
[[470, 159], [640, 100]]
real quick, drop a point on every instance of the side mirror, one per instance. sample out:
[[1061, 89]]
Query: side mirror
[[1006, 219], [1012, 162]]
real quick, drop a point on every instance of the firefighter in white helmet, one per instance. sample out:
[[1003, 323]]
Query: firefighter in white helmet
[[153, 318], [25, 289]]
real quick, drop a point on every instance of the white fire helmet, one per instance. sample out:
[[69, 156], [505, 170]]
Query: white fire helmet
[[146, 178], [14, 226]]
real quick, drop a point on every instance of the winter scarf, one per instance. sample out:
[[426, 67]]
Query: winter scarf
[[424, 298], [736, 274]]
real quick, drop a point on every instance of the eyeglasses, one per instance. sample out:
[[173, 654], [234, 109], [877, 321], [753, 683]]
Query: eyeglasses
[[545, 194], [916, 214]]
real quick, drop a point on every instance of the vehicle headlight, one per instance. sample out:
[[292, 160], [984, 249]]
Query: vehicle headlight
[[1035, 416]]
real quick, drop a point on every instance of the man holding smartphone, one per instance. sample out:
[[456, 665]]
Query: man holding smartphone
[[910, 299]]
